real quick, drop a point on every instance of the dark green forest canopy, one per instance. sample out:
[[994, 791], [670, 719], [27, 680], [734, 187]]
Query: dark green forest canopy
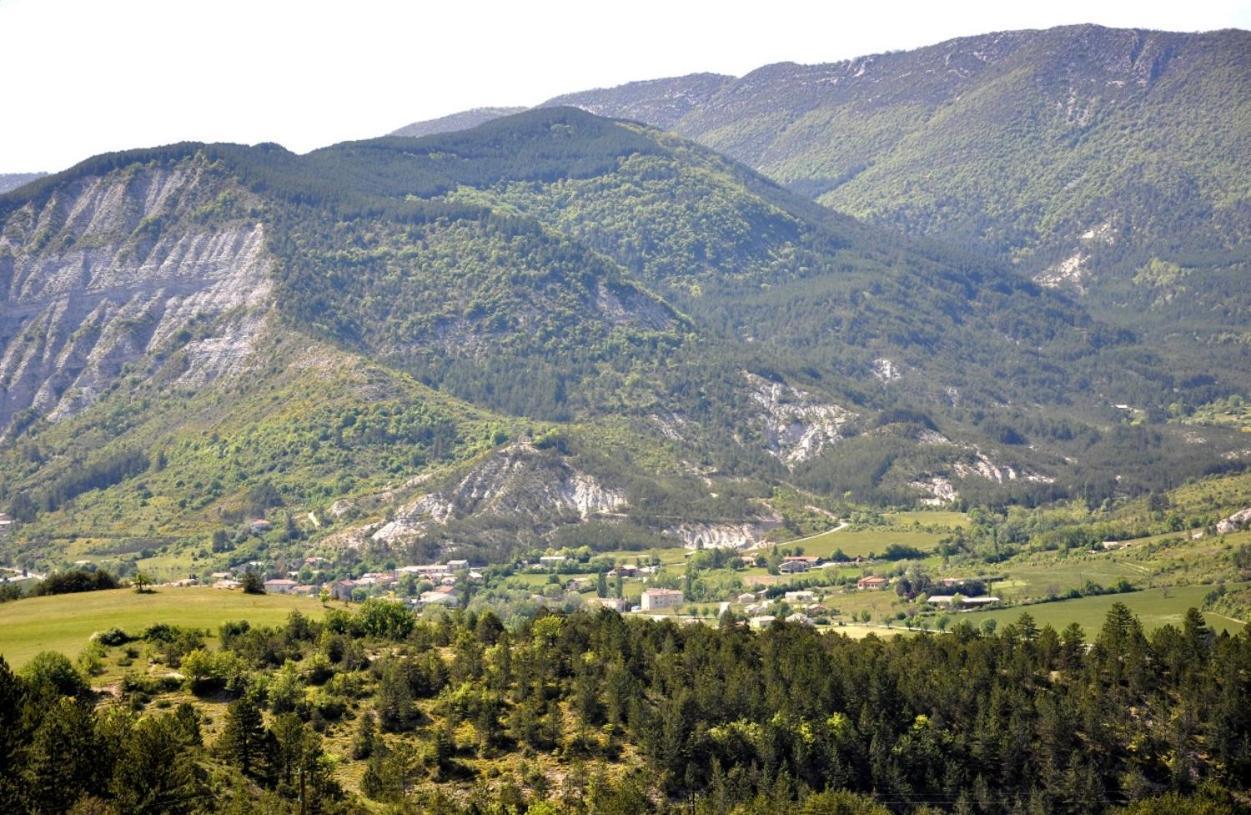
[[717, 719]]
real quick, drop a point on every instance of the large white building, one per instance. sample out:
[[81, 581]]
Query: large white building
[[656, 599]]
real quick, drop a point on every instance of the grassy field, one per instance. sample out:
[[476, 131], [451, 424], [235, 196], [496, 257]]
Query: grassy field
[[66, 622], [1155, 607], [931, 517], [864, 542]]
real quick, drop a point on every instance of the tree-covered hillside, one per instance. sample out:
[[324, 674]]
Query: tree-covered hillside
[[1110, 163], [660, 321], [599, 713]]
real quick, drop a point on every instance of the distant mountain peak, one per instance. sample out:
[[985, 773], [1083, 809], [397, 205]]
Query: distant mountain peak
[[456, 121], [11, 181]]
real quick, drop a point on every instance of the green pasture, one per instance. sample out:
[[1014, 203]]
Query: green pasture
[[65, 622], [1155, 607]]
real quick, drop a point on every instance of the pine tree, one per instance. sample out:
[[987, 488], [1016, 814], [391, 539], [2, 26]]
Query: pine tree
[[65, 757], [366, 737], [395, 699], [156, 771], [244, 740]]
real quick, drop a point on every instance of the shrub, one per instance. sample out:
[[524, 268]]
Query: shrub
[[113, 637]]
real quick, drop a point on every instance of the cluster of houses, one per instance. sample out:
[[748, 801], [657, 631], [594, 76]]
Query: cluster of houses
[[805, 606], [547, 563], [442, 576]]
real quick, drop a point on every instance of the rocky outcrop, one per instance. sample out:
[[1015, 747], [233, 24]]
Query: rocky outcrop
[[518, 481], [1068, 273], [937, 489], [722, 536], [113, 272], [795, 427], [1235, 523]]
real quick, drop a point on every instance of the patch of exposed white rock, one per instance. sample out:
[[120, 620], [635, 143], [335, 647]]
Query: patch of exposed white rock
[[795, 426], [517, 480]]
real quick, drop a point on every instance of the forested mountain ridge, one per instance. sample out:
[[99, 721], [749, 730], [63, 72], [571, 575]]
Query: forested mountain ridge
[[1107, 162], [636, 316], [1015, 142]]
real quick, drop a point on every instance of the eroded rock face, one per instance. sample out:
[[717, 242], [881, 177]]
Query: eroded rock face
[[795, 426], [721, 536], [112, 270], [1238, 521], [519, 481]]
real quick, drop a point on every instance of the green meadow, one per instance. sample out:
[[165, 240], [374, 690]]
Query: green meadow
[[65, 622], [1155, 608]]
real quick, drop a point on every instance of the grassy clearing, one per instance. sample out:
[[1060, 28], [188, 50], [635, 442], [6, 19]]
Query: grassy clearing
[[66, 622], [865, 542], [931, 517], [1155, 607]]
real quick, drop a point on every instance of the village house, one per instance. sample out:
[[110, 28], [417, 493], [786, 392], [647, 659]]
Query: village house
[[425, 569], [617, 604], [746, 598], [656, 599], [342, 589], [280, 585], [795, 597], [872, 583], [458, 565], [763, 621], [439, 598]]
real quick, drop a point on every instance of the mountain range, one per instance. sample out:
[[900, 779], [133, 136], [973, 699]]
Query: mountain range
[[562, 328], [1108, 163]]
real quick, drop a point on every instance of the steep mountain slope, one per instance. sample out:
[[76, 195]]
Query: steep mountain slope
[[553, 327], [1020, 142], [1109, 163], [105, 271]]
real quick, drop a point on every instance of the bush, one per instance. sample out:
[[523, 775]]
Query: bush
[[113, 637], [385, 618], [211, 671], [252, 583], [51, 671]]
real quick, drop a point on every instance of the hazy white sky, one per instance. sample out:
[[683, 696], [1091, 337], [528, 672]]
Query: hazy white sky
[[80, 77]]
